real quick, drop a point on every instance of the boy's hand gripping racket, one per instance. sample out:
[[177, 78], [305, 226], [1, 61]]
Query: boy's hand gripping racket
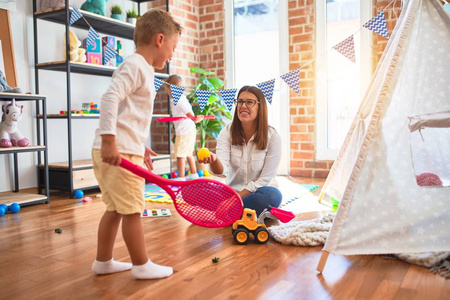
[[171, 119], [204, 202]]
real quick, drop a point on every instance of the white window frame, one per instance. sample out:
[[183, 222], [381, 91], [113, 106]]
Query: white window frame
[[284, 68], [322, 150]]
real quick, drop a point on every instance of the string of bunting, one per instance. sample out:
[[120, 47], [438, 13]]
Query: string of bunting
[[292, 78], [93, 35]]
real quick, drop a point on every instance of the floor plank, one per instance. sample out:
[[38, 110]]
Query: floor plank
[[37, 263]]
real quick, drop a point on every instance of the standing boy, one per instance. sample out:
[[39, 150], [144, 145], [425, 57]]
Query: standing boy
[[127, 108]]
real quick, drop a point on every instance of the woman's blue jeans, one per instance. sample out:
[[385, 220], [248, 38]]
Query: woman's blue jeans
[[262, 198]]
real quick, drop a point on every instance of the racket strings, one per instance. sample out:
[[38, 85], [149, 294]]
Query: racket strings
[[209, 204]]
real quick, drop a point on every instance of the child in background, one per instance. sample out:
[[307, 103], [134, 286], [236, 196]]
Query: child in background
[[127, 108], [185, 132]]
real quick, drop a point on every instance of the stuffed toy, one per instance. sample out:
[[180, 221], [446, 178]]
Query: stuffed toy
[[76, 53], [95, 6], [5, 88], [9, 133], [46, 4]]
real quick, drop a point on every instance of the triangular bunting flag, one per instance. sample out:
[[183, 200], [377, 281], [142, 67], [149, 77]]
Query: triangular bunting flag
[[228, 97], [203, 96], [293, 79], [378, 25], [109, 53], [347, 48], [267, 89], [75, 15], [158, 83], [176, 91], [92, 36]]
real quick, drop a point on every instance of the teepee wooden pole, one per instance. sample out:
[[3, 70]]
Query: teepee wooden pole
[[322, 261]]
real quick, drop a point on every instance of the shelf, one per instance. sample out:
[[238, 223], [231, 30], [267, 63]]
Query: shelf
[[83, 68], [21, 198], [91, 116], [21, 97], [29, 148], [87, 163], [100, 23]]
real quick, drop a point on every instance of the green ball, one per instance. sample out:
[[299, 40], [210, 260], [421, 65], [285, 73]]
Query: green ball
[[165, 176]]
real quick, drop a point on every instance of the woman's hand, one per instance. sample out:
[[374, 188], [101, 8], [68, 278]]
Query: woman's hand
[[212, 158], [147, 159]]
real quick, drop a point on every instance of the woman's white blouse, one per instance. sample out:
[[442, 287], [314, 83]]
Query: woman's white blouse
[[245, 166]]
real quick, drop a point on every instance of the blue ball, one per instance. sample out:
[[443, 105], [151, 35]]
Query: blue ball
[[5, 207], [14, 208], [200, 173], [79, 194], [2, 211]]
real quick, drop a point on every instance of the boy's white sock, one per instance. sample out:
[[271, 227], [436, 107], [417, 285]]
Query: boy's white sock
[[192, 176], [179, 179], [110, 266], [151, 270]]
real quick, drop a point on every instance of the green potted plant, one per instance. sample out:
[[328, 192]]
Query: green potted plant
[[116, 12], [214, 106], [132, 16]]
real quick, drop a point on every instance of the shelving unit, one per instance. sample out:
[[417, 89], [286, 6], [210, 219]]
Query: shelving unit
[[72, 174], [40, 148]]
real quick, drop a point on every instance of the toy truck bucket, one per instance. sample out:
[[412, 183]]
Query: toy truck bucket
[[282, 215]]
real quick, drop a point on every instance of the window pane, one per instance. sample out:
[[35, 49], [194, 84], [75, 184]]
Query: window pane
[[343, 76]]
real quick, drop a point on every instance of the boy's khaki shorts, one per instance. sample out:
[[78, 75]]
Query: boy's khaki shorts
[[122, 191], [184, 144]]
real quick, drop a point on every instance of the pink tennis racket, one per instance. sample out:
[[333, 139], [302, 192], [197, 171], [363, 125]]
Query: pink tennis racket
[[171, 119], [204, 202]]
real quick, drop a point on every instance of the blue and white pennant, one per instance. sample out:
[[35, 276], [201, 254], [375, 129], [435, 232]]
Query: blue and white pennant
[[158, 83], [176, 91], [75, 15], [292, 79], [92, 36], [228, 96], [347, 48], [203, 96], [109, 53], [378, 25], [267, 89]]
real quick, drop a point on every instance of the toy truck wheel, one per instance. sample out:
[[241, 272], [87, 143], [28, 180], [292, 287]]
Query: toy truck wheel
[[241, 236], [262, 235]]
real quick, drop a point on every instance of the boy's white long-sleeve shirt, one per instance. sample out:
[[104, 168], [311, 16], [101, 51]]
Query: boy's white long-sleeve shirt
[[126, 107], [245, 166]]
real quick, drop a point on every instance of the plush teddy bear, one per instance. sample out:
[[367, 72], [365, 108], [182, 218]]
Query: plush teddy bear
[[4, 87], [95, 6], [77, 54], [46, 4]]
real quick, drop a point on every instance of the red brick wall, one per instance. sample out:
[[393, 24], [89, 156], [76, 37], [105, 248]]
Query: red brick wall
[[202, 44]]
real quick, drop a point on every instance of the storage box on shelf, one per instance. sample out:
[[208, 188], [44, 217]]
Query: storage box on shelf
[[42, 195], [78, 174]]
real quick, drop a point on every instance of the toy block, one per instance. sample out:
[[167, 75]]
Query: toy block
[[94, 58], [111, 62], [93, 48], [119, 60], [109, 40]]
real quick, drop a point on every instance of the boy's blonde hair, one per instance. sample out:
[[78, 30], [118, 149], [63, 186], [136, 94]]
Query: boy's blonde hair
[[153, 22]]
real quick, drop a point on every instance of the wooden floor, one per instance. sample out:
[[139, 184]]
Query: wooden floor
[[37, 263]]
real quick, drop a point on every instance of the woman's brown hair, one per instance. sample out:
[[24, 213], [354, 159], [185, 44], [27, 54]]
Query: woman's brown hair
[[262, 128]]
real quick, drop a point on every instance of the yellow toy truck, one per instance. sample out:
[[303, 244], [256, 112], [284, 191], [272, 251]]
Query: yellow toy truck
[[249, 223]]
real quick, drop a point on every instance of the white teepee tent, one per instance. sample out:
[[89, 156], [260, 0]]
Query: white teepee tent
[[382, 208]]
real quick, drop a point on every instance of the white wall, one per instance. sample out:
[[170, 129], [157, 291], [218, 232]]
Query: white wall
[[85, 88]]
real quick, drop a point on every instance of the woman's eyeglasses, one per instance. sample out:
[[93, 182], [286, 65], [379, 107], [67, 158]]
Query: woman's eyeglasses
[[248, 103]]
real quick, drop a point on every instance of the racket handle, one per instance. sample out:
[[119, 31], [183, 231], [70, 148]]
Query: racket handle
[[209, 117], [133, 168]]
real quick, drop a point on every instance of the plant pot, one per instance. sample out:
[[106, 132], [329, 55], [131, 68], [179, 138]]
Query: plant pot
[[117, 17], [132, 20]]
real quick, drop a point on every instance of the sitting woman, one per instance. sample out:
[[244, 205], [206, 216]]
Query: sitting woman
[[249, 152]]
